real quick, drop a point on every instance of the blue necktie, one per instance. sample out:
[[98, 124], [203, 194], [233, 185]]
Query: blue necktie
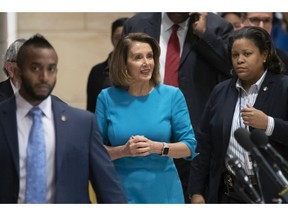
[[36, 187]]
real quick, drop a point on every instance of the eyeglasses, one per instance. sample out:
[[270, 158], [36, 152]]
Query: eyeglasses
[[257, 20]]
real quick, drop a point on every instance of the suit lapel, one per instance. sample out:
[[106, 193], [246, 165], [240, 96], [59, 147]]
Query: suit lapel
[[60, 120], [231, 100], [6, 89], [8, 117], [189, 43], [264, 92], [153, 28]]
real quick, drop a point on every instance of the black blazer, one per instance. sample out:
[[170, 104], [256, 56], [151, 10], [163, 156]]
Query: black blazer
[[214, 129], [6, 90], [284, 58], [80, 156], [203, 63], [98, 79]]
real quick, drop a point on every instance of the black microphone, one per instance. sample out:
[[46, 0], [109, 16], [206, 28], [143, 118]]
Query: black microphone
[[243, 138], [242, 177], [261, 140]]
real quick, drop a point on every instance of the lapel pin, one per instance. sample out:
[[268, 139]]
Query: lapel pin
[[265, 88], [63, 118]]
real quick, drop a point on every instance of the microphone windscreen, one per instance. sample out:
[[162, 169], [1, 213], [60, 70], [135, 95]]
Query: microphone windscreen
[[259, 137], [243, 138]]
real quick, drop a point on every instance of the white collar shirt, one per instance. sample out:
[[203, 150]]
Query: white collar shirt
[[24, 123], [165, 32]]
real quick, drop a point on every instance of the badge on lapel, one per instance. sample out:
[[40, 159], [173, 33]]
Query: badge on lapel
[[63, 118]]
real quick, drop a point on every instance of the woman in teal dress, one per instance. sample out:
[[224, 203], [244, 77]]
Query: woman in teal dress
[[144, 124]]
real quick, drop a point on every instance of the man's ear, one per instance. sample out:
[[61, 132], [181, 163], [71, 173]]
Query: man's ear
[[9, 69]]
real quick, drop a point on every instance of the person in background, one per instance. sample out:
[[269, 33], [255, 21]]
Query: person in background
[[255, 98], [144, 124], [203, 60], [49, 150], [12, 84], [280, 32], [265, 21], [98, 76], [234, 18]]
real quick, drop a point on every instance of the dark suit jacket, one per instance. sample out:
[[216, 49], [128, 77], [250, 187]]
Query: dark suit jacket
[[203, 64], [214, 130], [97, 80], [80, 156], [284, 58], [6, 90]]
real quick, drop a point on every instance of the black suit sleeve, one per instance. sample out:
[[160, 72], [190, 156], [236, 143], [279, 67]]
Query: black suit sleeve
[[213, 46], [103, 176]]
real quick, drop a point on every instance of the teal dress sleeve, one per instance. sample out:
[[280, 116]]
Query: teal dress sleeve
[[101, 117], [181, 124]]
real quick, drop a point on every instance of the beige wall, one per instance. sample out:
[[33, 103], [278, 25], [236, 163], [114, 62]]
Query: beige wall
[[3, 42], [80, 39]]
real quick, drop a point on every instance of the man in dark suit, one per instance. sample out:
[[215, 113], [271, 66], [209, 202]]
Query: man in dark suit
[[12, 84], [99, 75], [74, 150], [203, 61]]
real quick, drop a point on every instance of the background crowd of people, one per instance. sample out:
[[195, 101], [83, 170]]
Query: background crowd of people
[[161, 114]]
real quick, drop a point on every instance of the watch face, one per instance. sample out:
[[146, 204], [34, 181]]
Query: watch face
[[165, 151]]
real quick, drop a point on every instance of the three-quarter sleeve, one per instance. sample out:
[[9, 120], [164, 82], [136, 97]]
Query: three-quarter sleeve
[[182, 129]]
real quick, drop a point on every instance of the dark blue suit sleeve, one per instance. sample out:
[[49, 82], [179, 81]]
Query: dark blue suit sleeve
[[103, 175]]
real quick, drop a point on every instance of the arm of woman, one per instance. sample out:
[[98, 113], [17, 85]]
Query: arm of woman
[[135, 146], [182, 129]]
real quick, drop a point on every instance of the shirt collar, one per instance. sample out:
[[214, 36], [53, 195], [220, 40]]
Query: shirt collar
[[23, 106], [167, 23], [257, 84]]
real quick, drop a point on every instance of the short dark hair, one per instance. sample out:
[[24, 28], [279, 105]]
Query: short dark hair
[[263, 41], [37, 41], [118, 23]]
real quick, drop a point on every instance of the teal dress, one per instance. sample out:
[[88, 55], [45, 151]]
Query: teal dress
[[161, 116]]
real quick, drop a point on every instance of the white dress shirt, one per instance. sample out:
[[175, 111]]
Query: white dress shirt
[[15, 89], [24, 123], [235, 149], [165, 32]]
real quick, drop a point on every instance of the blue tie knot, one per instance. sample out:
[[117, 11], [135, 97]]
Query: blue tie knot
[[35, 111]]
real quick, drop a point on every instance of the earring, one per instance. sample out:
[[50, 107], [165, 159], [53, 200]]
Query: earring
[[264, 60]]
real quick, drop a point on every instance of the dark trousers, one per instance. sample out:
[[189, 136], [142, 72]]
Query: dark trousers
[[183, 168]]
